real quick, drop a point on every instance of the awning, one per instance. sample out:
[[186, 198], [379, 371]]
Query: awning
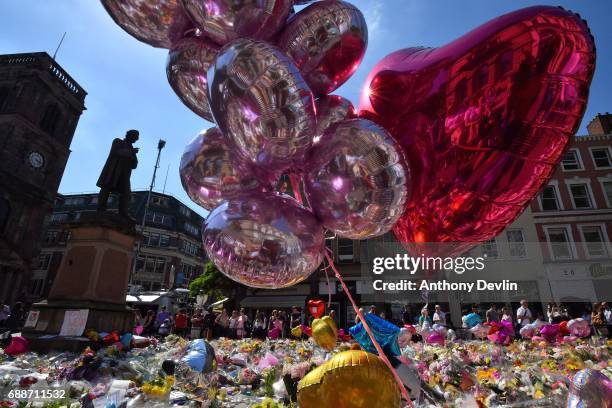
[[273, 301], [141, 298]]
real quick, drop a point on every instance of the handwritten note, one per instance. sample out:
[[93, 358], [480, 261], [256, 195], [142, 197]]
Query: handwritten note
[[74, 322]]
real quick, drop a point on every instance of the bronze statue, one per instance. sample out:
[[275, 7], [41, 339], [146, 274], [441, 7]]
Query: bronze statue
[[115, 176]]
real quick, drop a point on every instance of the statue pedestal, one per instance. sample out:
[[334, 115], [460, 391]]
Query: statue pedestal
[[93, 275]]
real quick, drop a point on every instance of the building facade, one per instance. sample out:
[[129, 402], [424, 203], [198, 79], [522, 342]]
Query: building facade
[[170, 254], [573, 219], [40, 106]]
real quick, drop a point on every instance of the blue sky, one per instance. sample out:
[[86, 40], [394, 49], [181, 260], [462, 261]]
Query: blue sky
[[127, 84]]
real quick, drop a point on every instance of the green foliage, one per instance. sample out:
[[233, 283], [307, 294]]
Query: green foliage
[[212, 283]]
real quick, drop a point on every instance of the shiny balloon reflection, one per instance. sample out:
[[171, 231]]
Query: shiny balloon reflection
[[208, 172], [226, 20], [187, 67], [327, 40], [332, 109], [483, 120], [264, 240], [261, 103], [357, 180], [590, 389], [159, 23]]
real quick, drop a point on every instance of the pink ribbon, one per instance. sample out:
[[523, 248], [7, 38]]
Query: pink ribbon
[[381, 354]]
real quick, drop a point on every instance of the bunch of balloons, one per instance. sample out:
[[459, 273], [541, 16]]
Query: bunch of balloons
[[449, 145]]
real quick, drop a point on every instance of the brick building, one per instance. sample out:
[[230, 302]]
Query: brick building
[[40, 106], [171, 254]]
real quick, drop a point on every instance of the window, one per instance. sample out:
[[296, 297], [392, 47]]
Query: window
[[94, 200], [516, 242], [164, 241], [558, 239], [346, 251], [601, 157], [73, 201], [571, 161], [5, 211], [189, 248], [192, 229], [580, 195], [59, 217], [159, 218], [43, 261], [37, 287], [549, 200], [160, 201], [50, 119], [51, 237], [151, 264], [607, 189], [489, 249], [594, 242], [185, 211]]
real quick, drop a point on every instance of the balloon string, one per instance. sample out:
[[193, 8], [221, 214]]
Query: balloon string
[[329, 293], [381, 354], [295, 186]]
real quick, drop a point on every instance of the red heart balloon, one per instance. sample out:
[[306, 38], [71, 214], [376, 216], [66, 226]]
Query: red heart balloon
[[484, 120], [316, 308]]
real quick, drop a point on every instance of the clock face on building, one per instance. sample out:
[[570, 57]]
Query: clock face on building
[[36, 160]]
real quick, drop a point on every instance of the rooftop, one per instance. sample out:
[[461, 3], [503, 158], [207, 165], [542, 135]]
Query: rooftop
[[43, 61]]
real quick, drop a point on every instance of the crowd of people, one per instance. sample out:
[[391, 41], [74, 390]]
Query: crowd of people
[[207, 323], [599, 317], [210, 324]]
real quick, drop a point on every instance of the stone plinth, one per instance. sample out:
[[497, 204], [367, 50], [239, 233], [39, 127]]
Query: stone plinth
[[93, 275]]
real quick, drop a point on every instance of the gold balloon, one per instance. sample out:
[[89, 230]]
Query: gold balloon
[[297, 331], [325, 332], [351, 379]]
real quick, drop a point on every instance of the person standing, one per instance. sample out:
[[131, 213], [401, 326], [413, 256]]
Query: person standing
[[162, 315], [180, 323], [222, 324], [241, 324], [598, 320], [407, 314], [439, 316], [491, 314], [197, 322], [149, 323], [523, 314], [296, 317], [506, 314], [259, 326], [233, 324], [424, 318]]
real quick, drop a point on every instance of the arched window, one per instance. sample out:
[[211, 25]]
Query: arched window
[[5, 211], [49, 121]]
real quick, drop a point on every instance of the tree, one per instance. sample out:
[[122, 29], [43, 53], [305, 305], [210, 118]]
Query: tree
[[212, 283]]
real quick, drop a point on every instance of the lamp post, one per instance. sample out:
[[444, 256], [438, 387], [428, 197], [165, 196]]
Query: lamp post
[[160, 145]]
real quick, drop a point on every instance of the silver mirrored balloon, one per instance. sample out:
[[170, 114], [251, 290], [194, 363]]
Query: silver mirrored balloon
[[357, 179], [208, 173], [226, 20], [159, 23], [327, 40], [590, 389], [264, 240], [260, 101], [187, 68], [332, 109]]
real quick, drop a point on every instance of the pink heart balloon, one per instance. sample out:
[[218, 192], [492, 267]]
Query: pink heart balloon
[[484, 121]]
